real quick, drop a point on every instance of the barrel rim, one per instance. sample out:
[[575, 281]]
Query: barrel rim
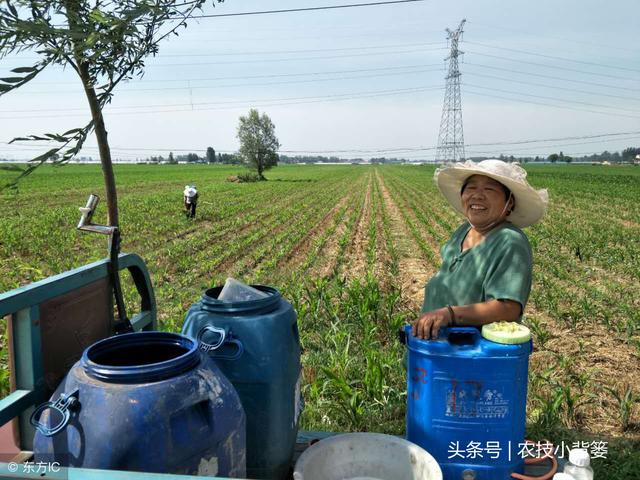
[[151, 372], [210, 302]]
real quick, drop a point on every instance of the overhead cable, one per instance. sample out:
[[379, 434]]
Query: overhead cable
[[305, 9], [549, 66], [565, 107], [564, 59]]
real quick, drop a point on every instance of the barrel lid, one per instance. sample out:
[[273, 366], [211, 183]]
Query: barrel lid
[[508, 333]]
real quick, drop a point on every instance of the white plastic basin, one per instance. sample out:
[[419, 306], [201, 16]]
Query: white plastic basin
[[366, 456]]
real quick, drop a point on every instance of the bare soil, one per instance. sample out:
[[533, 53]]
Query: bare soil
[[355, 265], [415, 270], [299, 252]]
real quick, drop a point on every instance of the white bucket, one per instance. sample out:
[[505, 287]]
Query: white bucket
[[366, 456]]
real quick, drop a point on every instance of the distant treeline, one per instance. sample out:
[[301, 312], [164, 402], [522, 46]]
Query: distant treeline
[[627, 155], [233, 159]]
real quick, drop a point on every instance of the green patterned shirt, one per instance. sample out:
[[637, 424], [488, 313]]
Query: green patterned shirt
[[500, 267]]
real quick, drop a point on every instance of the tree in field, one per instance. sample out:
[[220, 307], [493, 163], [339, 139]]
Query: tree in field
[[103, 42], [629, 154], [258, 142], [553, 158], [211, 155]]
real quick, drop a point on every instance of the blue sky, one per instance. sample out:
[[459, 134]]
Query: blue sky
[[366, 81]]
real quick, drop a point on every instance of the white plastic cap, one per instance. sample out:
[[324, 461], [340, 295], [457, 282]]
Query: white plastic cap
[[579, 457], [563, 476]]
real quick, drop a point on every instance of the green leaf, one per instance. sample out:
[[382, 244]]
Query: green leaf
[[92, 39], [73, 130], [98, 17], [12, 79], [5, 88], [56, 137], [24, 70], [45, 156]]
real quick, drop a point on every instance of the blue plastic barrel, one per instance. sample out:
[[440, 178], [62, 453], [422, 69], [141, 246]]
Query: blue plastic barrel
[[466, 402], [148, 402], [257, 346]]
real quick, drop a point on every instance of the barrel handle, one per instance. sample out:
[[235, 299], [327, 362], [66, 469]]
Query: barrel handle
[[226, 338], [208, 347], [473, 331], [62, 405], [234, 356]]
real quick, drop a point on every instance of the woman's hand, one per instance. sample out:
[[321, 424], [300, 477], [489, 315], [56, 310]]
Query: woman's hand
[[429, 323]]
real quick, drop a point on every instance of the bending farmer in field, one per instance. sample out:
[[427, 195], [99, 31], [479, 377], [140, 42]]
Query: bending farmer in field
[[487, 263], [190, 200]]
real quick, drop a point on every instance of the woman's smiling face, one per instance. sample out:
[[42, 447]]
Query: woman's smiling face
[[483, 201]]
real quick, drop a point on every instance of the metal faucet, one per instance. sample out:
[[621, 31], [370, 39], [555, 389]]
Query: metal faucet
[[87, 214], [123, 325]]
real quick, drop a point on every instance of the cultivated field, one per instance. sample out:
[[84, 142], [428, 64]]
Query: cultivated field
[[352, 247]]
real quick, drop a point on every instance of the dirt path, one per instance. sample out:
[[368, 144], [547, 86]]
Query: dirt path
[[299, 252], [415, 270], [326, 264], [356, 252], [386, 268]]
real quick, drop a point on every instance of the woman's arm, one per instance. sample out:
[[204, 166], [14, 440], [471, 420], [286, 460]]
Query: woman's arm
[[474, 315]]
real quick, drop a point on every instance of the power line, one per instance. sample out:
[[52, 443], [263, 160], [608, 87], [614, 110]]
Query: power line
[[557, 139], [551, 105], [564, 59], [290, 52], [272, 60], [551, 86], [306, 9], [600, 136], [564, 39], [253, 103], [210, 87], [313, 50], [274, 75], [556, 145], [287, 10], [552, 77], [544, 97], [549, 66]]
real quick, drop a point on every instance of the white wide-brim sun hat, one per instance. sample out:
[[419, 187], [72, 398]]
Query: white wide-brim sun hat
[[530, 204]]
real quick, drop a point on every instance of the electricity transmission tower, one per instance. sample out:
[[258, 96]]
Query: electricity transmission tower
[[451, 137]]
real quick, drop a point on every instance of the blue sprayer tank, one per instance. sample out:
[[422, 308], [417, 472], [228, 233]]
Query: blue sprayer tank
[[466, 402], [147, 402], [256, 345]]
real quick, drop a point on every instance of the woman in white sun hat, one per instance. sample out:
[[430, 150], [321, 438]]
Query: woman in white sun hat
[[487, 263]]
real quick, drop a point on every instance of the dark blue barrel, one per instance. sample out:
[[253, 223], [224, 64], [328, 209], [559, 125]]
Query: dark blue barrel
[[148, 402], [256, 344], [466, 402]]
